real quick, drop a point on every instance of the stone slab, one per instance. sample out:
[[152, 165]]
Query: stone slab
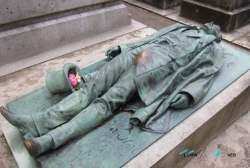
[[243, 41], [30, 61], [24, 42], [228, 5], [13, 10], [56, 15], [148, 7], [235, 139], [206, 13], [22, 157], [235, 34], [230, 36], [163, 4], [174, 14], [122, 138], [176, 17]]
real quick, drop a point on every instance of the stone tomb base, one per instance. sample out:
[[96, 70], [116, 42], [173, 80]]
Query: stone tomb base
[[204, 12], [54, 27], [163, 4], [117, 143]]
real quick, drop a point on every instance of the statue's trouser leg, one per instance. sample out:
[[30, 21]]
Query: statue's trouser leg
[[70, 106], [99, 110]]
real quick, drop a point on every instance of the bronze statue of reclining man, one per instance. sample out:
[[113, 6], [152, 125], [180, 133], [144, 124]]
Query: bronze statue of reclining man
[[174, 68]]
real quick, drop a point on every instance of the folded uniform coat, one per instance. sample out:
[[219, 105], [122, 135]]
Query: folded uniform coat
[[172, 61]]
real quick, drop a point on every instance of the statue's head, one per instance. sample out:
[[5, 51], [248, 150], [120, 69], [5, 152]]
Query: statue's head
[[211, 28]]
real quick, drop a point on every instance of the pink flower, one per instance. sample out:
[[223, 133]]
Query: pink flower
[[73, 80]]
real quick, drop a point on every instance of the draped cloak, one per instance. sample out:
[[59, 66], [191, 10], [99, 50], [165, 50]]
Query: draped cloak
[[176, 60]]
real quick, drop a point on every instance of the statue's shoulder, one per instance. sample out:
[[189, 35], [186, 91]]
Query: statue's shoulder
[[174, 27], [151, 38], [165, 31]]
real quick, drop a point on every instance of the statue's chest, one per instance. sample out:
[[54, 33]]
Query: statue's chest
[[154, 56]]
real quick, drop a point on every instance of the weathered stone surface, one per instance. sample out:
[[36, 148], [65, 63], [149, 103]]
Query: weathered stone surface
[[164, 4], [226, 4], [14, 10], [151, 8], [243, 41], [206, 13], [29, 28], [235, 139], [6, 157], [20, 43]]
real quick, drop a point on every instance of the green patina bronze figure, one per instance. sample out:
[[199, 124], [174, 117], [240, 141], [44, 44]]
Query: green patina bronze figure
[[173, 68]]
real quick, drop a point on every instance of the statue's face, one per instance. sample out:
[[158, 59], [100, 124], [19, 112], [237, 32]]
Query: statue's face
[[211, 28]]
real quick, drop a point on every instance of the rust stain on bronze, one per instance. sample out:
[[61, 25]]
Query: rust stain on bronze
[[142, 58], [127, 112]]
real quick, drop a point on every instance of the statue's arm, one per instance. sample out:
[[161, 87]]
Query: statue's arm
[[113, 52], [198, 89], [135, 47], [138, 45], [192, 93]]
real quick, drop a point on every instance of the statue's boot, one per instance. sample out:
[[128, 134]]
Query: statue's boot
[[87, 119], [36, 146], [24, 122]]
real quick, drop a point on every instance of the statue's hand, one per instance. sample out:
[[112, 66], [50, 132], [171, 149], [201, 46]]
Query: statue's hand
[[181, 101], [113, 52]]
